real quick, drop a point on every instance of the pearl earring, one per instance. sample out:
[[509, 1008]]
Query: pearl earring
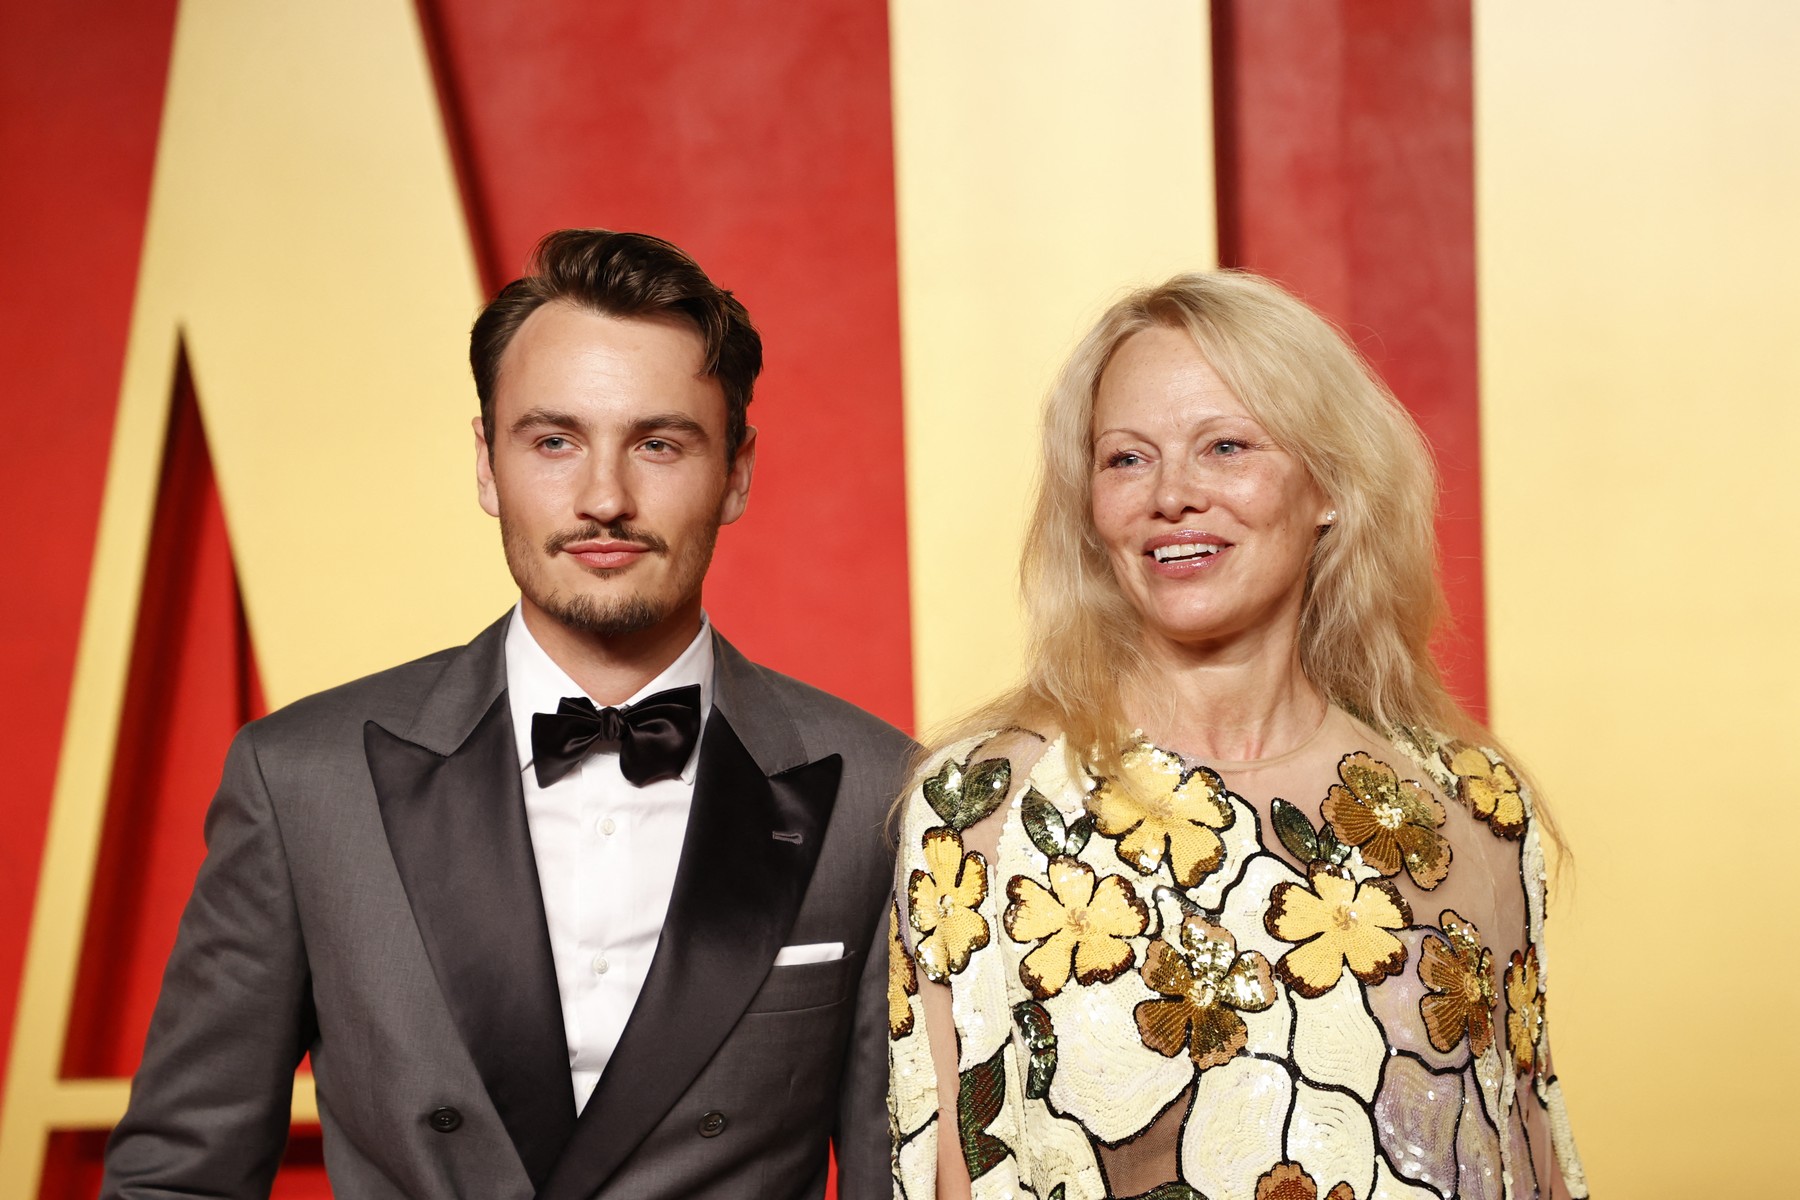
[[1331, 517]]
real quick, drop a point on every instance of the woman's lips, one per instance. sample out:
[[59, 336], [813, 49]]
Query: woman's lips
[[1185, 552]]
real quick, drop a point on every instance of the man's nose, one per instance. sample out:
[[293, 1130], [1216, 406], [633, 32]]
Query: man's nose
[[606, 494]]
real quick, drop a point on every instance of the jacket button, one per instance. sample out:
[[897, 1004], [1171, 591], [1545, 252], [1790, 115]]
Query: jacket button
[[445, 1120], [712, 1124]]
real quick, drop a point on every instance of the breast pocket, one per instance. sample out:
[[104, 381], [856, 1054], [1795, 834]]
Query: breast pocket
[[807, 985]]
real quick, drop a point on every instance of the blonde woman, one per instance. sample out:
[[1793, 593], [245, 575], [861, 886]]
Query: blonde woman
[[1228, 898]]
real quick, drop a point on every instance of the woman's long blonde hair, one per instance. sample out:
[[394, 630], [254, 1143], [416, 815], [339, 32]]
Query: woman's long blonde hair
[[1372, 599]]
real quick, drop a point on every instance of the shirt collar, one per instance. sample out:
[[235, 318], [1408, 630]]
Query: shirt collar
[[535, 684]]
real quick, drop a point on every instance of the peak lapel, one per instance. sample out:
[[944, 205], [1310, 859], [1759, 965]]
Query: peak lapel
[[454, 812], [737, 890]]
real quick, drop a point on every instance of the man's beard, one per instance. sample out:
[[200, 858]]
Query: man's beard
[[584, 613]]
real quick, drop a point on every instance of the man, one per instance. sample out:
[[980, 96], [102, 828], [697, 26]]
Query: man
[[592, 906]]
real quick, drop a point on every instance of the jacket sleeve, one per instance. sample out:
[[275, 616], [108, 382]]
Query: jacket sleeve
[[861, 1142], [210, 1103]]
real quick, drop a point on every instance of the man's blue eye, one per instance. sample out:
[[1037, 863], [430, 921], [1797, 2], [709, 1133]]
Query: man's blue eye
[[554, 443]]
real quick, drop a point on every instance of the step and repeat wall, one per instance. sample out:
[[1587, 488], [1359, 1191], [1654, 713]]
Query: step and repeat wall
[[245, 243]]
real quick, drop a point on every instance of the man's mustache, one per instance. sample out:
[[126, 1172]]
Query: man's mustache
[[594, 532]]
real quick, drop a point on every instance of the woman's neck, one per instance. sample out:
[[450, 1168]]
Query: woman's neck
[[1237, 704]]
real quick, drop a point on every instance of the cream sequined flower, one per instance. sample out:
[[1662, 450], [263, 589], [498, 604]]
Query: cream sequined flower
[[1158, 812], [1338, 923], [903, 981], [1490, 789], [942, 900], [1081, 925]]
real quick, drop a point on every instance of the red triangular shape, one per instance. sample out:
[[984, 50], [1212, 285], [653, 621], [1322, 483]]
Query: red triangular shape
[[192, 683]]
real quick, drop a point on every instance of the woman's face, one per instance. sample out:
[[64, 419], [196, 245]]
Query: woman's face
[[1209, 524]]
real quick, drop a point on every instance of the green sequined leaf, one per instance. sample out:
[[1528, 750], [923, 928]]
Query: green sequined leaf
[[963, 794], [1330, 849], [1040, 1039], [1080, 830], [1170, 1191], [980, 1095], [1059, 1191], [1043, 823], [1295, 831]]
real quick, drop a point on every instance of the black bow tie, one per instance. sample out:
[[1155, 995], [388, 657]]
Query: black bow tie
[[654, 736]]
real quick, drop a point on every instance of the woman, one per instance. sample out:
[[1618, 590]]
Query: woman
[[1228, 898]]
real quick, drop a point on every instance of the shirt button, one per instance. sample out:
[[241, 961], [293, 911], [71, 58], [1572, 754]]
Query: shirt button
[[712, 1124], [607, 827], [601, 966], [445, 1120]]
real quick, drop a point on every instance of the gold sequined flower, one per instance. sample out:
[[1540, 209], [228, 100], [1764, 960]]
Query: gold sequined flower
[[1289, 1181], [1081, 926], [1490, 789], [1392, 821], [1338, 923], [942, 900], [1459, 971], [1524, 1009], [1158, 811], [903, 981], [1207, 983]]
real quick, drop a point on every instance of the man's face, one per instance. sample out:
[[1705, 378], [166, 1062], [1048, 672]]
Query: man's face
[[608, 470]]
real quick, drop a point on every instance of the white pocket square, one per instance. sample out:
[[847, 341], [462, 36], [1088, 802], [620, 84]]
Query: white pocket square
[[812, 952]]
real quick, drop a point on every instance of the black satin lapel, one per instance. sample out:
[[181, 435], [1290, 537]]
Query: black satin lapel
[[752, 842], [456, 826]]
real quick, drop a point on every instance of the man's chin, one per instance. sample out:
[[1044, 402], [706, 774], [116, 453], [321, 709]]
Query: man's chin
[[610, 618]]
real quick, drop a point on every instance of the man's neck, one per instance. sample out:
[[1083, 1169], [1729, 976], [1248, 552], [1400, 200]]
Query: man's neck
[[612, 669]]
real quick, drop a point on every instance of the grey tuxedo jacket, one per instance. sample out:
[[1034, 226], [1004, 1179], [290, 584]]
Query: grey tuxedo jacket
[[369, 896]]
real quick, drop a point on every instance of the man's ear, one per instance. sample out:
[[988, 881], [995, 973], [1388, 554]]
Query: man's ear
[[737, 483], [485, 491]]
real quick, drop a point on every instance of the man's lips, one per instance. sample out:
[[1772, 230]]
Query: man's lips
[[605, 555], [1184, 551]]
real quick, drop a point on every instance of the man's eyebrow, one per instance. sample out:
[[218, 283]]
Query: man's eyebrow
[[540, 418], [670, 422]]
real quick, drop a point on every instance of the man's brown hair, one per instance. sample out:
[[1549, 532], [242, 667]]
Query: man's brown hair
[[623, 275]]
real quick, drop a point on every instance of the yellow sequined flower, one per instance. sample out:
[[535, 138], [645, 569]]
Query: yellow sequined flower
[[1158, 811], [1081, 925], [1392, 821], [1289, 1181], [1459, 972], [903, 981], [1208, 983], [942, 900], [1491, 790], [1338, 923], [1524, 1009]]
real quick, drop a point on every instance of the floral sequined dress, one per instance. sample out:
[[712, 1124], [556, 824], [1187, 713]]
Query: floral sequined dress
[[1318, 975]]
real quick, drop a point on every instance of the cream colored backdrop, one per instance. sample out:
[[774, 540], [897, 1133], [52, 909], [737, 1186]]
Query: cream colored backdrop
[[1049, 154], [1638, 178]]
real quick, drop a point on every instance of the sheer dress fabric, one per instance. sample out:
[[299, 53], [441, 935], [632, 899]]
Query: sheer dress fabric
[[1315, 975]]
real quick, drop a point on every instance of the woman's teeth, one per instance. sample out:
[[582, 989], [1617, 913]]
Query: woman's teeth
[[1181, 550]]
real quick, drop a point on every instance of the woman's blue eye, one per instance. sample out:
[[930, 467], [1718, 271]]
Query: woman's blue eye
[[1124, 458], [1227, 447]]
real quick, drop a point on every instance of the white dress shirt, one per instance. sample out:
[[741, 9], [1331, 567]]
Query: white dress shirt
[[606, 852]]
